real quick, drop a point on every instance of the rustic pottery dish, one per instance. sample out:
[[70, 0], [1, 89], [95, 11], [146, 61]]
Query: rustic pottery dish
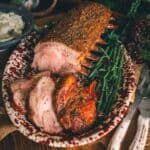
[[16, 67], [27, 19]]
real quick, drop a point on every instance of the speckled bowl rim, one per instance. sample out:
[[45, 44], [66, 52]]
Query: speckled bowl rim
[[18, 59]]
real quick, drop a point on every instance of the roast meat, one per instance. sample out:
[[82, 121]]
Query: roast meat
[[20, 90], [55, 57], [42, 112], [76, 105]]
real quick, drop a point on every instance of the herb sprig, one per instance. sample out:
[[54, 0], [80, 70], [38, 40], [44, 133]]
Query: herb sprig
[[134, 8]]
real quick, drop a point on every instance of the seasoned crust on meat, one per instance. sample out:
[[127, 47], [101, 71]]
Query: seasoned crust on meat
[[81, 28], [76, 105]]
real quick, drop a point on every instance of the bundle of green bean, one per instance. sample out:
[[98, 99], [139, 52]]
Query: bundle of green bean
[[109, 69], [108, 73]]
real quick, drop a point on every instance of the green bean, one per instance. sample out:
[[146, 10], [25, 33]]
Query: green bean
[[108, 73]]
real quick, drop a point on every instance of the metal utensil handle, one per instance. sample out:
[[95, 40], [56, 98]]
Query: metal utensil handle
[[116, 141], [139, 140], [119, 135]]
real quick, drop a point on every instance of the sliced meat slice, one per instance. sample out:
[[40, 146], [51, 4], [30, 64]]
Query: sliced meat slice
[[55, 57], [76, 105], [42, 112], [20, 90]]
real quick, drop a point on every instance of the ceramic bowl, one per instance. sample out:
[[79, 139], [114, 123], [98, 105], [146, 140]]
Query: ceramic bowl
[[20, 59], [27, 19]]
